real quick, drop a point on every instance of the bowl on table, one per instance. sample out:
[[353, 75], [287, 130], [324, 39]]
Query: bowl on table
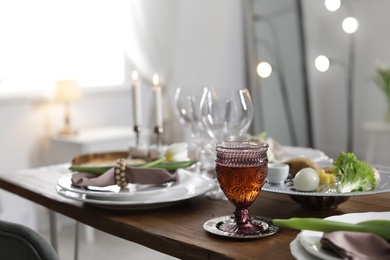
[[319, 202], [277, 172]]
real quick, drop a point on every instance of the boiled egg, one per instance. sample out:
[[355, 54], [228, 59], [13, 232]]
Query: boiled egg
[[306, 179]]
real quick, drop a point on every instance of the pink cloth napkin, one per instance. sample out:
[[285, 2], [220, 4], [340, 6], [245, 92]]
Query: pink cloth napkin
[[356, 245], [133, 175]]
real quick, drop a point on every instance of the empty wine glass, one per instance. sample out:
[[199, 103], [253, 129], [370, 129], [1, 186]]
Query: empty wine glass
[[187, 104], [226, 115]]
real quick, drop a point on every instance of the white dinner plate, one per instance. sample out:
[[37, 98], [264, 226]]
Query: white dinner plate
[[310, 240], [299, 252], [191, 185], [136, 191], [296, 151]]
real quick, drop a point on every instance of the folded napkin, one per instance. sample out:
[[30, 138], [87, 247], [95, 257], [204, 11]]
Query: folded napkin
[[132, 175], [356, 245]]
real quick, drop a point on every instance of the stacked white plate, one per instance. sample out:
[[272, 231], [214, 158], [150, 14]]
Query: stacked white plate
[[138, 196], [306, 246]]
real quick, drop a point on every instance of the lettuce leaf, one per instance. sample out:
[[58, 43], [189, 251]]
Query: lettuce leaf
[[354, 175]]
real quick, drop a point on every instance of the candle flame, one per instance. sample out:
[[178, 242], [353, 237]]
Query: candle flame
[[134, 75], [155, 79]]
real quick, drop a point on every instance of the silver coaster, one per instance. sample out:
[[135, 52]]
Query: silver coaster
[[213, 224]]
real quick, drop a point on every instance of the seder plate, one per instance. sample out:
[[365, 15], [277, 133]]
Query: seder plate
[[288, 189]]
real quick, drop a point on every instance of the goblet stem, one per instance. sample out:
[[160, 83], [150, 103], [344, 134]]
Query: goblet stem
[[241, 216]]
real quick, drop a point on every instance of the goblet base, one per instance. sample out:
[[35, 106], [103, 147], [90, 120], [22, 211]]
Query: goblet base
[[251, 228], [257, 227]]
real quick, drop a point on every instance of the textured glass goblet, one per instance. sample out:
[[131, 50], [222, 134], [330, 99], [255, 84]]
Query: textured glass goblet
[[241, 168]]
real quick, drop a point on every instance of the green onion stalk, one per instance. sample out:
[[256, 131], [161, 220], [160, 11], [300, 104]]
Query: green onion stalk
[[378, 227], [175, 157]]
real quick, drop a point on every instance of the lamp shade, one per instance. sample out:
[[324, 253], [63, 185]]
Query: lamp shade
[[67, 90]]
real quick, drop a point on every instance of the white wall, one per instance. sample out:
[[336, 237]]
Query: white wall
[[328, 96]]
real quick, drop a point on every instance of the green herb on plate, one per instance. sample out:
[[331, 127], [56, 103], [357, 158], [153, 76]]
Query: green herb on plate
[[175, 157], [354, 175], [169, 166]]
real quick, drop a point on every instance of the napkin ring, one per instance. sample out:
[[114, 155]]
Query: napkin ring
[[120, 173]]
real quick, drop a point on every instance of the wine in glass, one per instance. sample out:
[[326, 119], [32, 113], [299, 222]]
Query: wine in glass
[[226, 115], [241, 168]]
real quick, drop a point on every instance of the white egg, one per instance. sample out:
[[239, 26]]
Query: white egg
[[306, 179]]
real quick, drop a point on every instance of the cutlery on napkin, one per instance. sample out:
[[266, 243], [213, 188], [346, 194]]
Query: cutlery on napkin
[[133, 175]]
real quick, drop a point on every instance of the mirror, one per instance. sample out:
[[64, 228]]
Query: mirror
[[282, 96]]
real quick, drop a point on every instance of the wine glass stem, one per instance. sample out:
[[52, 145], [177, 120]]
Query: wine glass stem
[[241, 216]]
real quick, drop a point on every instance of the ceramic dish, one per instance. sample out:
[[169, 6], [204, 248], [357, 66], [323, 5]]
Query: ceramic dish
[[189, 186], [135, 192], [310, 240]]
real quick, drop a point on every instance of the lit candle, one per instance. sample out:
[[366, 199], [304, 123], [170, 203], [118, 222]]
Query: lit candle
[[136, 99], [157, 101]]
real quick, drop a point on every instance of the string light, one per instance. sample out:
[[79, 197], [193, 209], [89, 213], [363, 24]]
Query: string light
[[332, 5], [322, 63], [350, 25], [264, 69]]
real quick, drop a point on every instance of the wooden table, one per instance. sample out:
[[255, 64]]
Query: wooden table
[[178, 230]]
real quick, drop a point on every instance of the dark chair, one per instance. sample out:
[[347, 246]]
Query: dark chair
[[20, 242]]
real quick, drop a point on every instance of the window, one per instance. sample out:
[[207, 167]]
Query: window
[[45, 40]]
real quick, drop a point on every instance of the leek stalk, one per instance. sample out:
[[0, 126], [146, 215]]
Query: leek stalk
[[169, 166], [378, 227]]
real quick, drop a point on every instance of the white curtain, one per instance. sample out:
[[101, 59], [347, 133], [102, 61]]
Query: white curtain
[[152, 36]]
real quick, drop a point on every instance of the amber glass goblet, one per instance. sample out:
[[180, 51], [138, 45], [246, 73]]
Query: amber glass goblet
[[241, 168]]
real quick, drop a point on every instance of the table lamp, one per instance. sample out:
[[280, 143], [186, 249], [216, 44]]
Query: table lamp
[[67, 91]]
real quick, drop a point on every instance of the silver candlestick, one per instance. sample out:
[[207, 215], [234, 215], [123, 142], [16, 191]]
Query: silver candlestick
[[158, 130], [137, 130]]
